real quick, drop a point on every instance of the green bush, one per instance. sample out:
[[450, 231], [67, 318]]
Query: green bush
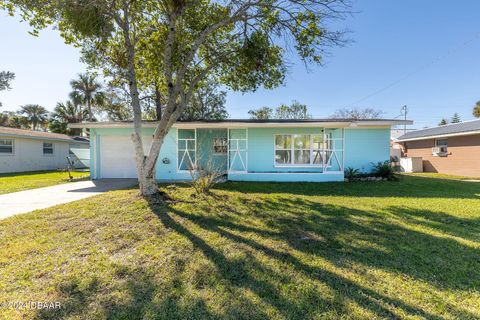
[[384, 170], [351, 173]]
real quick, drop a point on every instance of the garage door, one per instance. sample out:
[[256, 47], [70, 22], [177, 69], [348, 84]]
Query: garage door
[[117, 156]]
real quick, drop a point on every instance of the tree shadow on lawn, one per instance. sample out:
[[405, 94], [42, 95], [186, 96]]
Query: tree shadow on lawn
[[408, 186], [135, 296], [276, 275], [418, 255], [466, 228], [379, 240]]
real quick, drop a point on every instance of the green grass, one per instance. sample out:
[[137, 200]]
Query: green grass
[[440, 176], [366, 250], [13, 182]]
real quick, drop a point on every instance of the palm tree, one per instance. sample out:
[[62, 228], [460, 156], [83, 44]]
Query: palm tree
[[88, 91], [65, 113], [476, 110], [35, 114]]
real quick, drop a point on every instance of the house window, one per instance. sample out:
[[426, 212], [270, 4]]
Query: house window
[[186, 149], [6, 146], [299, 149], [220, 145], [48, 148], [283, 149], [441, 143]]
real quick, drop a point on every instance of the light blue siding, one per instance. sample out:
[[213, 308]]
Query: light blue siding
[[364, 146], [206, 157], [286, 177], [261, 152]]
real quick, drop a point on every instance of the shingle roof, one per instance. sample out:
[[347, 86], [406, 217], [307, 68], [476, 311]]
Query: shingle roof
[[449, 129], [6, 131]]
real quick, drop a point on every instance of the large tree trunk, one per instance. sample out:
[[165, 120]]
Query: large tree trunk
[[158, 103], [146, 178], [147, 183]]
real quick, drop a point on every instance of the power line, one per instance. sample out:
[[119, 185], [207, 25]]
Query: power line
[[419, 69]]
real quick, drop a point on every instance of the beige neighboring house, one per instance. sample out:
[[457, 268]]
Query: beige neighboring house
[[27, 150], [451, 149]]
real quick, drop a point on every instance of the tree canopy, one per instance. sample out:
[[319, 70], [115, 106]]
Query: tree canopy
[[476, 110], [261, 113], [35, 114], [357, 113], [6, 78], [63, 114], [443, 122], [207, 103], [456, 118], [296, 110], [87, 90], [174, 45]]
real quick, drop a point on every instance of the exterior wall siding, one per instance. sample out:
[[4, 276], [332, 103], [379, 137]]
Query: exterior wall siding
[[463, 155], [366, 146], [28, 156], [362, 146], [261, 144]]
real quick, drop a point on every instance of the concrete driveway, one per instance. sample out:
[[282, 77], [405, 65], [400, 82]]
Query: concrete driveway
[[41, 198]]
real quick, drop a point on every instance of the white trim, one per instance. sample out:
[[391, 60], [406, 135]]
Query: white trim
[[21, 136], [326, 163], [48, 154], [298, 166], [246, 150], [186, 151], [94, 151], [228, 149], [343, 151], [238, 151], [280, 172], [246, 124], [447, 135], [13, 147], [214, 153]]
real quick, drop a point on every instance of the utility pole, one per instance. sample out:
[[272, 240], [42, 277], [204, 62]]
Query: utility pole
[[404, 111]]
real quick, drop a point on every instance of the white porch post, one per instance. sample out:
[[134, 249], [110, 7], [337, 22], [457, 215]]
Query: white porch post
[[228, 150], [246, 151]]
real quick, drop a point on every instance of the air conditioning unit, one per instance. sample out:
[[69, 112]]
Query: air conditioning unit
[[440, 151]]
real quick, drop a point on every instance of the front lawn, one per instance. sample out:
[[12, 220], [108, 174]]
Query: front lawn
[[13, 182], [366, 250]]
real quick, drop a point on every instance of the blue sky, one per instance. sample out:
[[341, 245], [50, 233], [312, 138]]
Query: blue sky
[[429, 49]]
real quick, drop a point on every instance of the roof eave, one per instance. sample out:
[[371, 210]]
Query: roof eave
[[447, 135], [41, 138], [199, 124]]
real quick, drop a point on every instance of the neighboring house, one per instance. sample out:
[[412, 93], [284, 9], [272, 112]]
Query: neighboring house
[[27, 150], [452, 149], [247, 150], [396, 148]]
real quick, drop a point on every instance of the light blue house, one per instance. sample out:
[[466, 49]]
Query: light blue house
[[313, 150]]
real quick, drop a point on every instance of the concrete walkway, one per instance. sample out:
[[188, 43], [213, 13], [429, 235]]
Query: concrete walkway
[[41, 198]]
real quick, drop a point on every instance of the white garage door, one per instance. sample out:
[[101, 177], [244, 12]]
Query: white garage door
[[117, 156]]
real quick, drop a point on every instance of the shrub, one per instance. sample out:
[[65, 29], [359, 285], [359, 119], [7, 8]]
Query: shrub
[[351, 173], [384, 170], [205, 176], [203, 180]]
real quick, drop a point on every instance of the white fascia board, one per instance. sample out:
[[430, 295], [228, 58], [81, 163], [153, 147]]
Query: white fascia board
[[467, 133], [233, 125], [10, 135]]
